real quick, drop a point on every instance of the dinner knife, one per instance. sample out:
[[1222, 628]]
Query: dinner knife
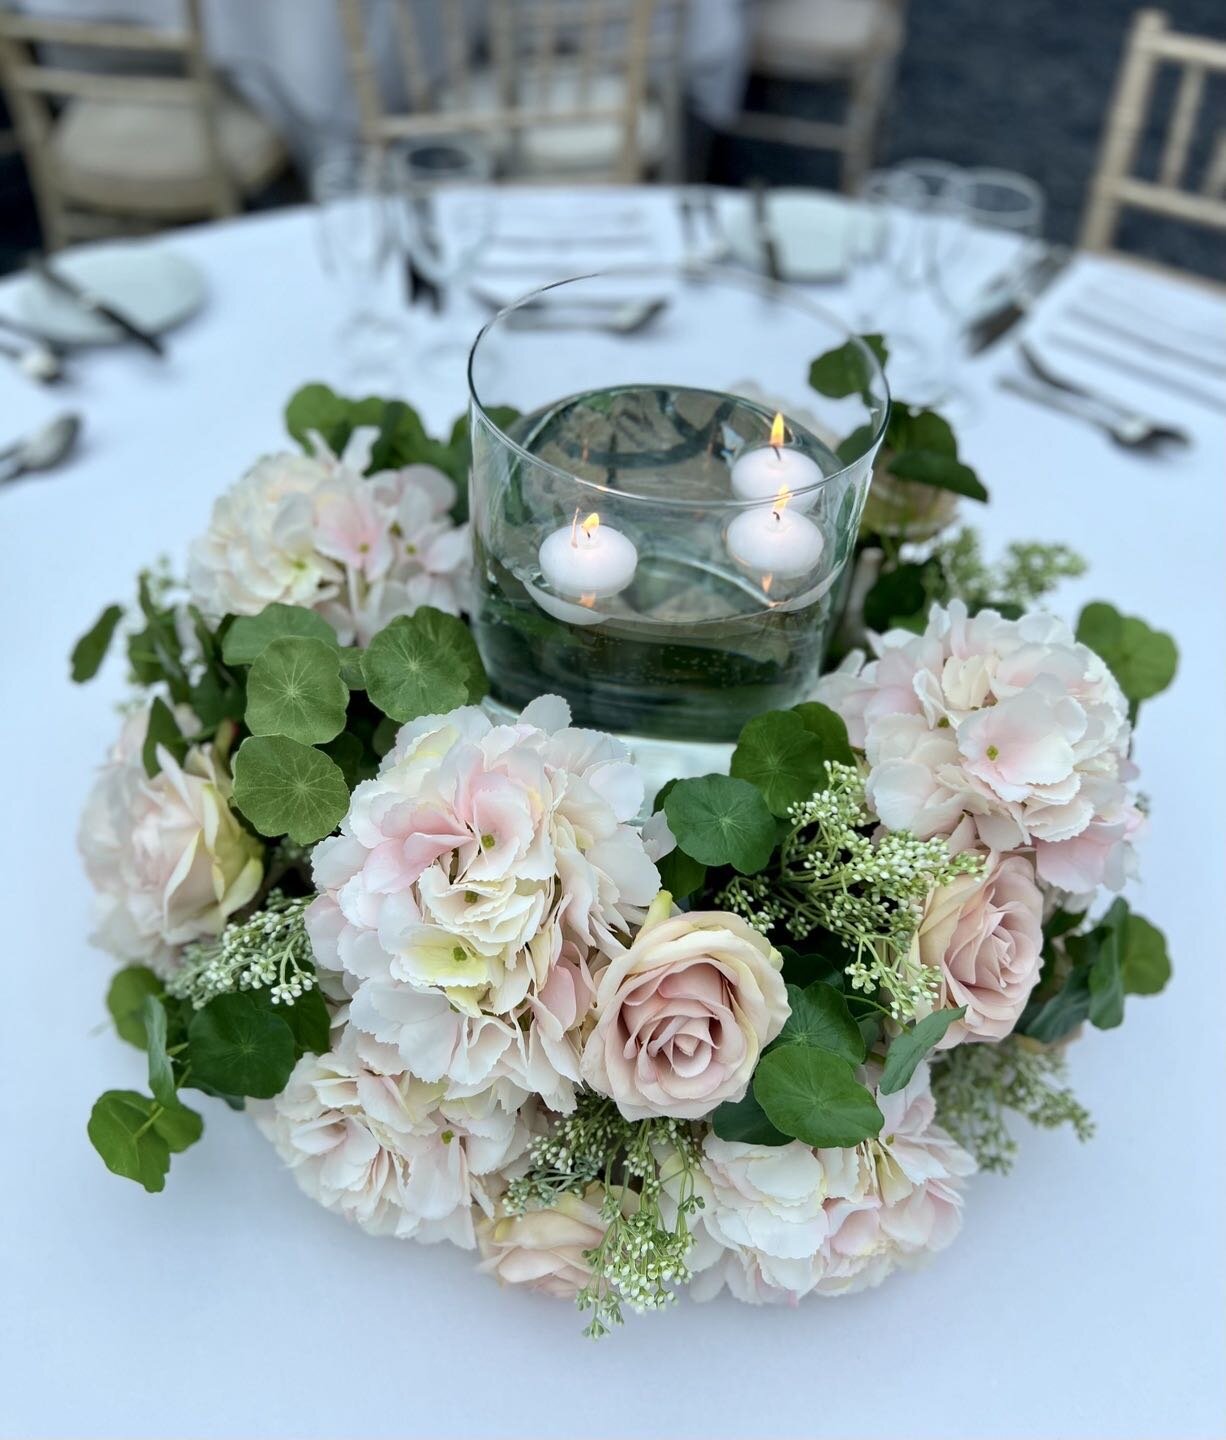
[[88, 301], [998, 321], [763, 233]]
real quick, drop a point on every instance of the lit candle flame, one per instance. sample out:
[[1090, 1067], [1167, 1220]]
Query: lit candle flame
[[588, 526], [767, 582], [778, 432], [781, 502]]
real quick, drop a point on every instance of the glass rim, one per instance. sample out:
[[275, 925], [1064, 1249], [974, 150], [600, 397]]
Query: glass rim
[[718, 272], [1026, 192]]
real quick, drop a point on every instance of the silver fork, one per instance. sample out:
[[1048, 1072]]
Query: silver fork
[[1129, 421]]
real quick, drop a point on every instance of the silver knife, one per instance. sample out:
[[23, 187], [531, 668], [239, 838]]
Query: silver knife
[[763, 233], [987, 329], [1148, 342], [87, 301]]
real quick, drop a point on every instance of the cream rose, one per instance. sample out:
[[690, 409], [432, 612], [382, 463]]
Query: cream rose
[[683, 1014], [168, 858], [546, 1249], [984, 933]]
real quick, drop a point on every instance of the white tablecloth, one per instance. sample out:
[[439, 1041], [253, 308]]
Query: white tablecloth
[[288, 56], [1084, 1297]]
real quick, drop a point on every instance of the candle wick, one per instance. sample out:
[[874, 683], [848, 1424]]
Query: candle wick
[[778, 456], [574, 528]]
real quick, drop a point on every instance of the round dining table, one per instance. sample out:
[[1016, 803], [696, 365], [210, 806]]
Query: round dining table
[[1084, 1295]]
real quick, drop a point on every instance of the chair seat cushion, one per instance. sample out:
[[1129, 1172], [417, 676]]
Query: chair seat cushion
[[580, 146], [150, 158], [808, 37]]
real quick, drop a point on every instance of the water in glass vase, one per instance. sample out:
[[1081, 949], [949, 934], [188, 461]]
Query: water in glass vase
[[694, 642]]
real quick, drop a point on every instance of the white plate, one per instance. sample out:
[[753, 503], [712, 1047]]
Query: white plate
[[155, 288], [812, 232]]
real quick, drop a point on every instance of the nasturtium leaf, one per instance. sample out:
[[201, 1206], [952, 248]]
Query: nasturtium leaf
[[840, 372], [745, 1121], [877, 344], [240, 1046], [814, 1096], [162, 730], [351, 667], [161, 1073], [286, 788], [90, 650], [309, 1023], [941, 471], [908, 1049], [122, 1131], [895, 595], [815, 964], [830, 729], [249, 634], [1052, 1019], [317, 408], [1142, 660], [680, 874], [777, 752], [423, 664], [720, 820], [126, 1001], [178, 1125], [820, 1017], [295, 689], [923, 430], [355, 759], [1146, 965]]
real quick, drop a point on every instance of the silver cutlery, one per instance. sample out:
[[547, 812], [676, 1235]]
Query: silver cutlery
[[763, 234], [1115, 409], [1135, 434], [1145, 339], [986, 329], [42, 449], [35, 361], [1141, 315], [57, 280], [1175, 384]]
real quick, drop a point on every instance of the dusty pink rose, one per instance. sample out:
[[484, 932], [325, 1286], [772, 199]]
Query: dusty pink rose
[[683, 1014], [984, 933], [546, 1249]]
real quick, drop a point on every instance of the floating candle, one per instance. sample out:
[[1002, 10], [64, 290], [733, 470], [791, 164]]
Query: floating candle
[[588, 560], [776, 541], [761, 472]]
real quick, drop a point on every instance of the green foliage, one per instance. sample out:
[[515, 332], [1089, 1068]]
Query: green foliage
[[163, 731], [1145, 963], [90, 650], [924, 449], [897, 596], [784, 753], [830, 728], [286, 788], [680, 875], [908, 1049], [975, 1085], [161, 1072], [423, 664], [720, 820], [295, 688], [121, 1130], [248, 634], [820, 1018], [745, 1122], [844, 371], [814, 1095], [1142, 660], [125, 1000], [239, 1046], [155, 652]]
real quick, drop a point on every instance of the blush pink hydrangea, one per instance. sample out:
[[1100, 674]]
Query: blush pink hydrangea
[[475, 885], [315, 530], [1008, 734]]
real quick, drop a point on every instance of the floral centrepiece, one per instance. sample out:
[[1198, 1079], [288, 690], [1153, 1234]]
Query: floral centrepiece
[[752, 1034]]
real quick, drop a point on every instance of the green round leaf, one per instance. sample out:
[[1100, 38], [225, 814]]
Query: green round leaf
[[237, 1045], [744, 1121], [126, 1001], [295, 689], [161, 1072], [720, 820], [1144, 661], [679, 874], [285, 788], [423, 664], [162, 731], [815, 1097], [249, 634], [908, 1049], [830, 729], [1147, 967], [820, 1017], [779, 754], [178, 1125], [121, 1130], [90, 650]]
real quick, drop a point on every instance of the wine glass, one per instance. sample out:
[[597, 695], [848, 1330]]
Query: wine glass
[[448, 216], [357, 244]]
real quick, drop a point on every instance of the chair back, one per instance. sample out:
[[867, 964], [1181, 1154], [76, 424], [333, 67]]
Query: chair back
[[45, 63], [501, 68], [1151, 46]]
